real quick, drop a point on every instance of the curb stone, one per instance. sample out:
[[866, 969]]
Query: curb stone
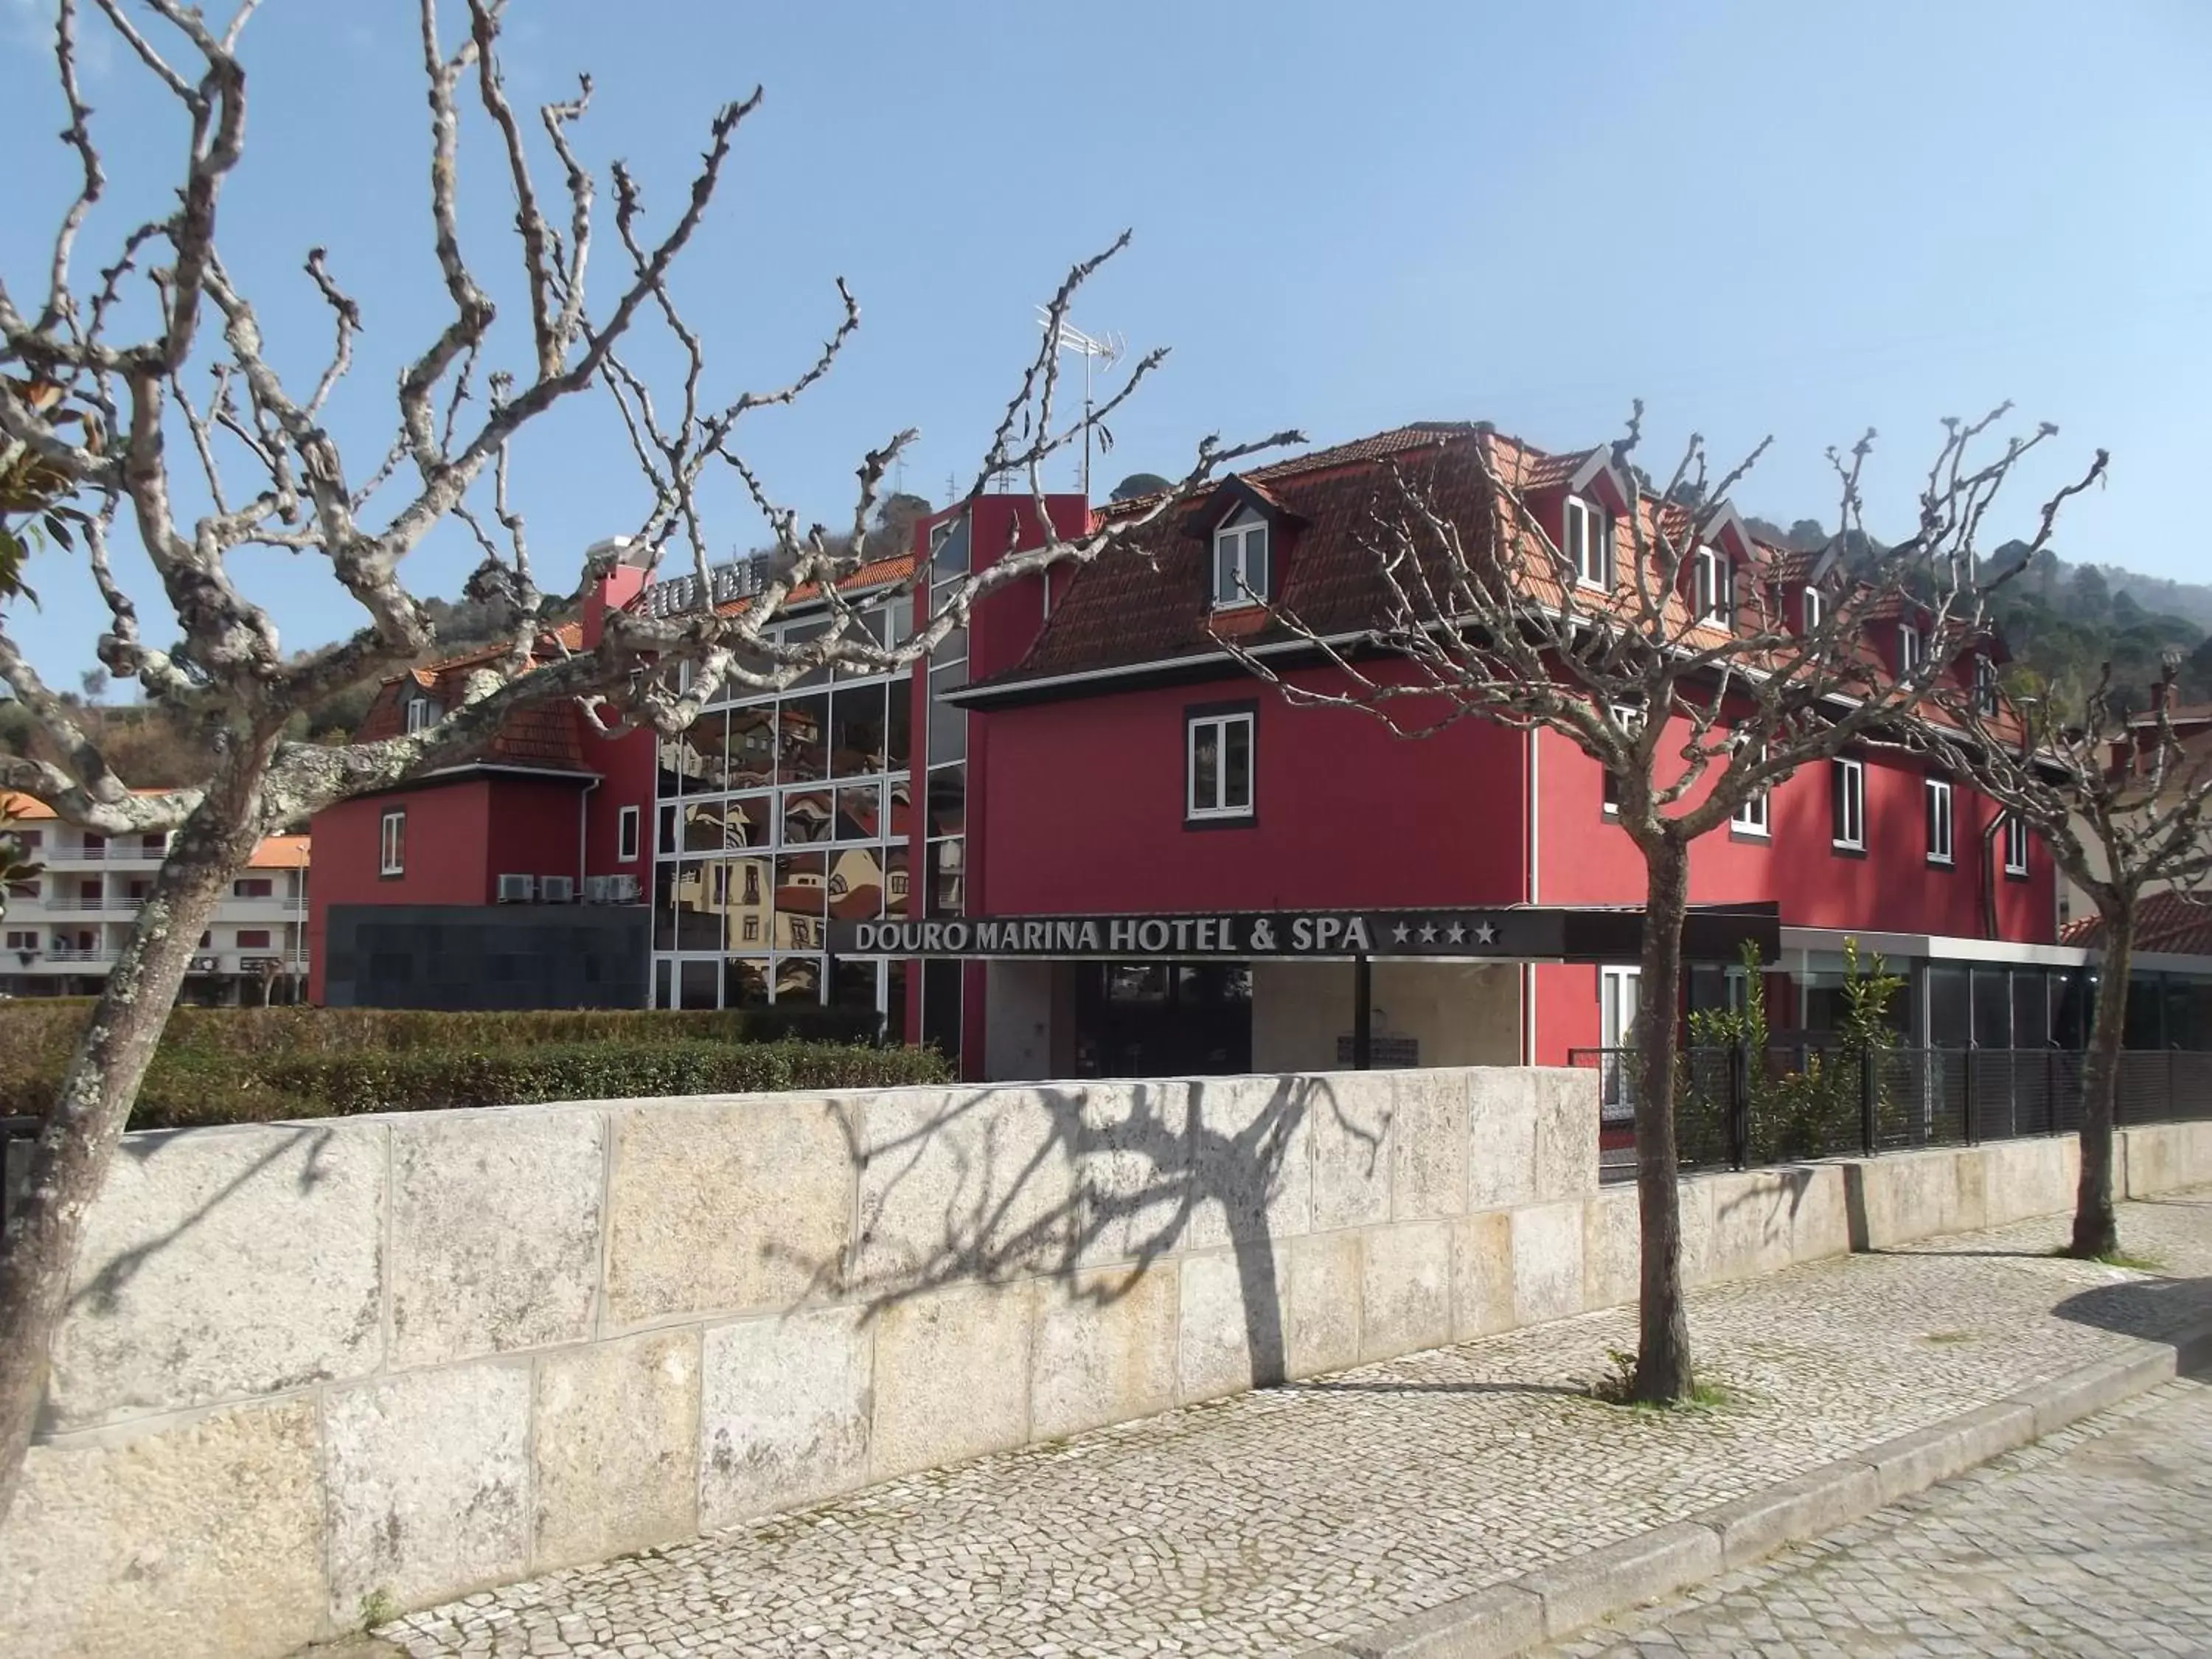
[[1508, 1618]]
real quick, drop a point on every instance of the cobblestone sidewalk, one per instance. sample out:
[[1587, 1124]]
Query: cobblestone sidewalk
[[2095, 1542], [1272, 1522]]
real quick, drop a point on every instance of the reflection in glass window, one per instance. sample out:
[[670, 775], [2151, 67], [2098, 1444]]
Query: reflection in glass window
[[859, 813], [802, 896], [898, 739], [745, 983], [806, 816], [948, 733], [856, 729], [802, 739], [948, 800], [699, 981], [664, 909], [752, 746], [856, 884], [798, 979], [854, 985], [698, 908], [947, 890], [701, 759], [898, 879]]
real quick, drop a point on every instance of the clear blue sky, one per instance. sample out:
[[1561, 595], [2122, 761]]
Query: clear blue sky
[[1797, 219]]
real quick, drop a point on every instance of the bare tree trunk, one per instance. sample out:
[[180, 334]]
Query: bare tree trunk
[[69, 1160], [2096, 1228], [1662, 1355]]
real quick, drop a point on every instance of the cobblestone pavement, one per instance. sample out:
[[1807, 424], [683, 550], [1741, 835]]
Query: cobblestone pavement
[[1275, 1521], [2096, 1541]]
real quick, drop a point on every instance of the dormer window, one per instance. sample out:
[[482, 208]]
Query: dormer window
[[1912, 648], [1813, 609], [422, 714], [1241, 553], [1715, 586], [1589, 542]]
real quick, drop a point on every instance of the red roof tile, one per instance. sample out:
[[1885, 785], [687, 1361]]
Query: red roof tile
[[2169, 923]]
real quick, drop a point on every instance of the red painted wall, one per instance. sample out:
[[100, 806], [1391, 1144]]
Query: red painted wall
[[1086, 810]]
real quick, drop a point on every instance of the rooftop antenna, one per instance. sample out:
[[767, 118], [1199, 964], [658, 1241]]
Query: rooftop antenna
[[1108, 350]]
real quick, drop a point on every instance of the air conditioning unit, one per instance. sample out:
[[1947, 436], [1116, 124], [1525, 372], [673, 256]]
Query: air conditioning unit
[[557, 889], [517, 890], [595, 889], [624, 890]]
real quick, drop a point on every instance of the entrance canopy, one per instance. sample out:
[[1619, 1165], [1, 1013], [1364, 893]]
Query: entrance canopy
[[1521, 933]]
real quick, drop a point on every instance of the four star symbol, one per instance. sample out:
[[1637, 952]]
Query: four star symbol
[[1485, 933], [1398, 934], [1456, 933], [1428, 933]]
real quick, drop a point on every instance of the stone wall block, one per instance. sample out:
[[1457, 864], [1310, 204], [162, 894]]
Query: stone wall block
[[615, 1447], [1322, 1328], [952, 1377], [1138, 1194], [1752, 1213], [1405, 1303], [719, 1205], [1564, 1153], [1612, 1249], [1547, 1262], [1353, 1117], [429, 1476], [966, 1183], [1428, 1146], [1230, 1313], [1501, 1138], [783, 1413], [219, 1264], [1820, 1224], [1482, 1275], [1254, 1142], [202, 1540], [1105, 1350], [495, 1232]]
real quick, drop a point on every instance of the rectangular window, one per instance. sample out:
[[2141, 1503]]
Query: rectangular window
[[626, 831], [1939, 821], [1815, 610], [1218, 751], [1617, 991], [23, 941], [1589, 545], [2015, 845], [1716, 586], [1985, 685], [1848, 802], [254, 939], [422, 714], [1240, 561], [1750, 818], [391, 843], [253, 887], [1630, 720], [1911, 648]]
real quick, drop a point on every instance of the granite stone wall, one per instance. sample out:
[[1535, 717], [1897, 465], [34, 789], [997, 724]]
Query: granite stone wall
[[396, 1359]]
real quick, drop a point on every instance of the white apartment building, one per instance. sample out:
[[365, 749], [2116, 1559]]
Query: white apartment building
[[62, 929]]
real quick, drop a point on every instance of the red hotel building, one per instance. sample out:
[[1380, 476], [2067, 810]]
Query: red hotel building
[[1089, 752]]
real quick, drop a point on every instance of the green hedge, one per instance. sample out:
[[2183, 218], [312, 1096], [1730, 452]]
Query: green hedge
[[248, 1065]]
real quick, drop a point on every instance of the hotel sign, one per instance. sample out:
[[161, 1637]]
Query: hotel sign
[[1518, 933]]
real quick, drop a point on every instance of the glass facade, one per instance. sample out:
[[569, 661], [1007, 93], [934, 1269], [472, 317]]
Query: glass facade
[[778, 813], [775, 814]]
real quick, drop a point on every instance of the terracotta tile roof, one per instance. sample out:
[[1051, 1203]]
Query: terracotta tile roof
[[1152, 605], [2170, 924], [546, 735], [282, 853], [877, 573]]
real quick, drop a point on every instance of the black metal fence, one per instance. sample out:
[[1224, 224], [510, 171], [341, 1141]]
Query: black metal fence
[[1737, 1109]]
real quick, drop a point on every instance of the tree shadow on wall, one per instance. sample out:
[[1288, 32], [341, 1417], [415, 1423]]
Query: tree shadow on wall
[[1092, 1186]]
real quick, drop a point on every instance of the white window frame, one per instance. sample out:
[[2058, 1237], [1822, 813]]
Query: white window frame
[[1942, 821], [1713, 586], [1241, 591], [1750, 815], [1850, 776], [422, 714], [1631, 719], [1985, 685], [628, 830], [1812, 609], [1912, 648], [1220, 725], [1620, 1001], [2015, 845], [1588, 530], [392, 842]]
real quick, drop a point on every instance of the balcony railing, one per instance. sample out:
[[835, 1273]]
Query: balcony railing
[[113, 853], [73, 903]]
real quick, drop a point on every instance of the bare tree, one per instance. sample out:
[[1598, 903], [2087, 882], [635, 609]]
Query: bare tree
[[1653, 632], [462, 403], [2124, 801]]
